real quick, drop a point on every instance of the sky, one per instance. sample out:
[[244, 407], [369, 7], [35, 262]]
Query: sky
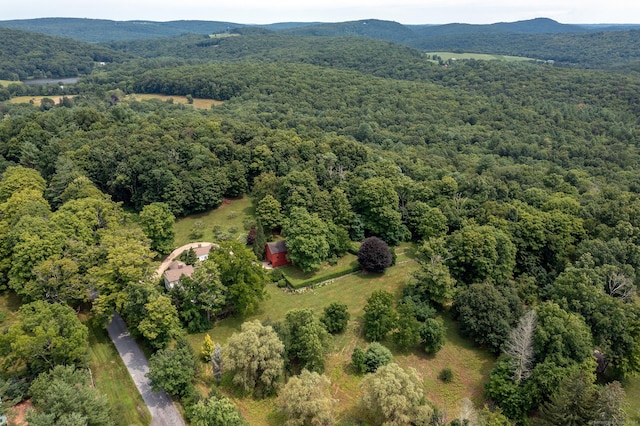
[[272, 11]]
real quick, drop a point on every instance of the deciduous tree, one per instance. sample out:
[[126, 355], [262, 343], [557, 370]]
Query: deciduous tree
[[269, 213], [374, 255], [305, 340], [64, 395], [394, 397], [45, 335], [172, 370], [485, 315], [254, 358], [407, 332], [157, 223], [241, 274], [306, 236], [379, 315], [215, 411], [432, 335], [306, 400], [335, 317]]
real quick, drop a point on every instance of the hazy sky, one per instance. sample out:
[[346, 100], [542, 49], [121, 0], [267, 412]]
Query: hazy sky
[[270, 11]]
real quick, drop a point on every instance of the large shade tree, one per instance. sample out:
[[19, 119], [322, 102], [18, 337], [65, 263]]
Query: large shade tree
[[156, 220], [306, 400], [306, 236], [393, 397], [45, 335], [254, 358]]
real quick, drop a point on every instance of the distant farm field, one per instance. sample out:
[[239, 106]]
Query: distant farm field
[[197, 103], [5, 83], [445, 56], [36, 99]]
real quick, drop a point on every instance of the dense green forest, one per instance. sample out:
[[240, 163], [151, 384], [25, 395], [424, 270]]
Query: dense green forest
[[24, 55], [518, 183]]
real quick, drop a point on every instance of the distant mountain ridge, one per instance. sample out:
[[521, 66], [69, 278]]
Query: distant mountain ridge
[[101, 30]]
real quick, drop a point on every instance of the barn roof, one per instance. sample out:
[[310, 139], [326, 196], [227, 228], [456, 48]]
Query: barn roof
[[277, 247]]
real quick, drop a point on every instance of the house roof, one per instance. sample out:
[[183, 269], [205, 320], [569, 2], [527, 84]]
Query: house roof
[[277, 247], [202, 250], [176, 270]]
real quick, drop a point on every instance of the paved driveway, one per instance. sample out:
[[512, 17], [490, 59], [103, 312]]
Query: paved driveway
[[162, 410]]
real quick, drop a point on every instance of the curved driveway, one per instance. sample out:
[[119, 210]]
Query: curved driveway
[[165, 263]]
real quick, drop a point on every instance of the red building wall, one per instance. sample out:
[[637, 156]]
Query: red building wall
[[277, 259]]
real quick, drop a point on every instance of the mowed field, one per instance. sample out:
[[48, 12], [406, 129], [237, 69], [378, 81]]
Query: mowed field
[[480, 56], [197, 103]]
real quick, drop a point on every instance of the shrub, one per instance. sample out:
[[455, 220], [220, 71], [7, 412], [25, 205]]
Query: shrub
[[251, 236], [335, 317], [422, 309], [446, 375], [357, 361], [374, 255], [197, 230], [432, 335], [376, 356]]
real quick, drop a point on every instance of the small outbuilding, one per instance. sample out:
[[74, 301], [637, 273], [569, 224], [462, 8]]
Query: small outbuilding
[[276, 254]]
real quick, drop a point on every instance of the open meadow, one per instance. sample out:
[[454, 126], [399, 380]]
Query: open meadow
[[230, 218], [5, 83], [197, 103], [471, 366], [35, 100]]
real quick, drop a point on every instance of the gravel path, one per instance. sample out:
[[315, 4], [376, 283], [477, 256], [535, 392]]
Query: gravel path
[[163, 411]]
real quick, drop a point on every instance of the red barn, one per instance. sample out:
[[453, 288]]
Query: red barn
[[277, 254]]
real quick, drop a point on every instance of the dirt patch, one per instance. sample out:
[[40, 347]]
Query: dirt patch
[[17, 414]]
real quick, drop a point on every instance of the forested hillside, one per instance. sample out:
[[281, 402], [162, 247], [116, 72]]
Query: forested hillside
[[517, 185], [544, 39], [99, 30], [27, 55]]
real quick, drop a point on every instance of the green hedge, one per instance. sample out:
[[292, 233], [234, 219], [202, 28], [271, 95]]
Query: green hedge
[[315, 280]]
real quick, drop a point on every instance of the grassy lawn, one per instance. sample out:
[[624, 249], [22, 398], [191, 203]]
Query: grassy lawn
[[480, 56], [406, 251], [632, 388], [346, 264], [112, 379], [197, 103], [229, 217], [470, 365]]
